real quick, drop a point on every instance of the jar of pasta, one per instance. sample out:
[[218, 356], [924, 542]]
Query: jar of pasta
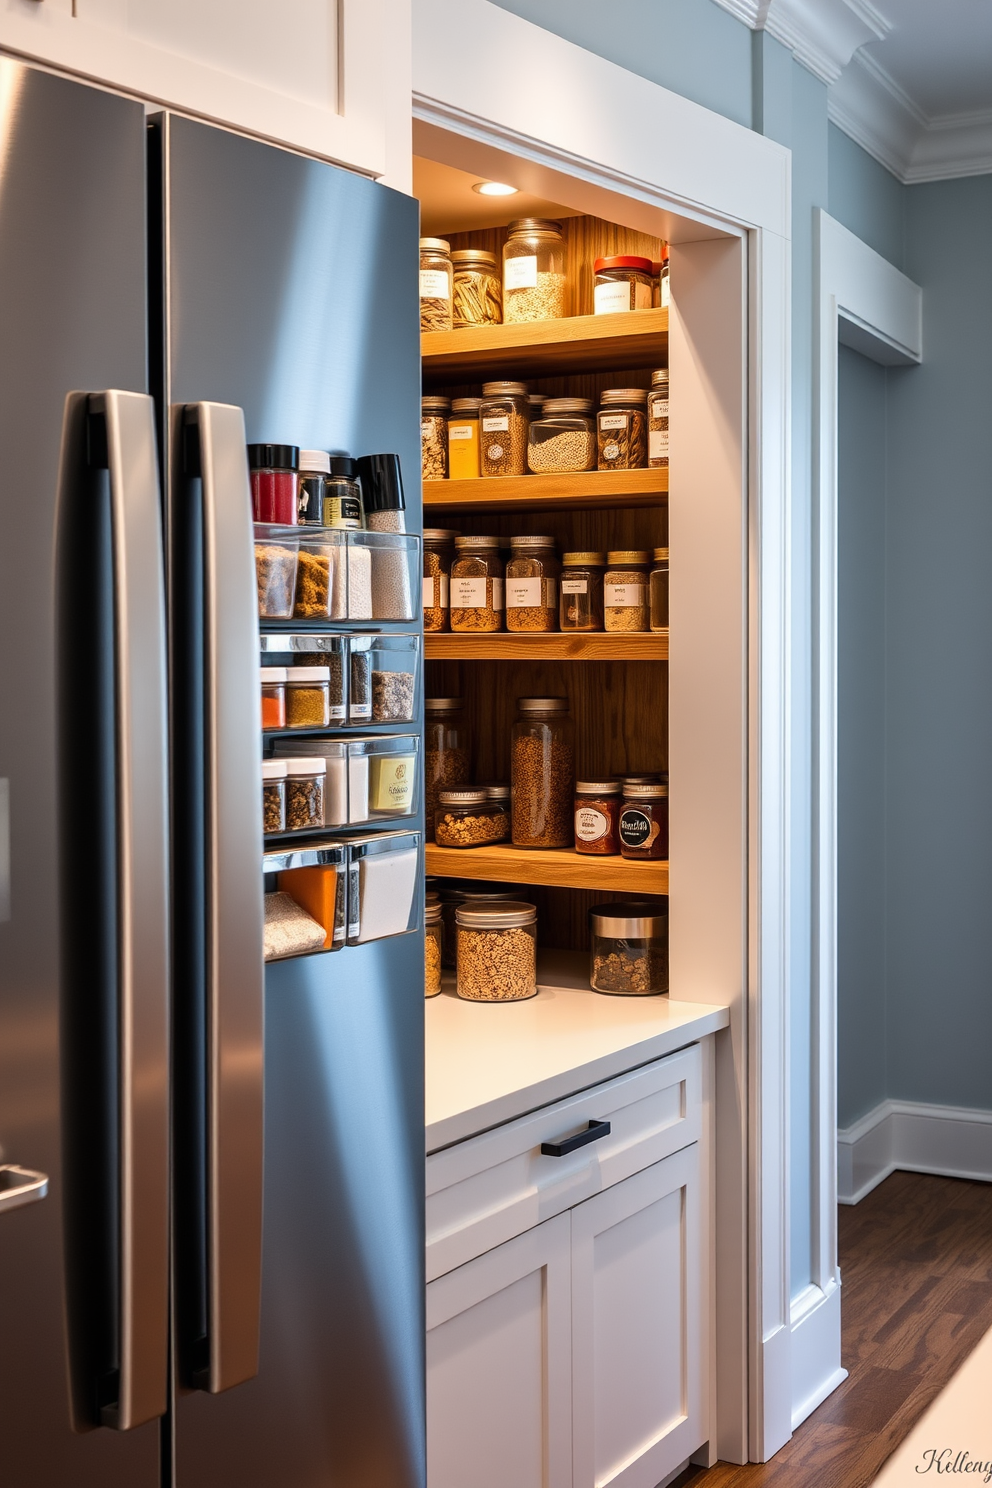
[[478, 288], [477, 584], [563, 438], [532, 584], [447, 752], [504, 419], [582, 591], [621, 424], [658, 420], [533, 271], [436, 284], [439, 546], [541, 766], [625, 591], [434, 437], [463, 439]]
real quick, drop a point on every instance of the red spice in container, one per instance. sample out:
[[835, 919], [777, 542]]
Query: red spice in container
[[273, 483], [644, 821], [597, 816], [273, 697]]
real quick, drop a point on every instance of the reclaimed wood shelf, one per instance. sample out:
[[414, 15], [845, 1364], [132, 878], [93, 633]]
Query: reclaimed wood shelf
[[560, 868], [536, 492], [544, 348], [553, 645]]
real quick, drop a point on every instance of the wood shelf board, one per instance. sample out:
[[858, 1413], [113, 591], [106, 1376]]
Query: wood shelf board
[[513, 492], [554, 646], [576, 343], [560, 868]]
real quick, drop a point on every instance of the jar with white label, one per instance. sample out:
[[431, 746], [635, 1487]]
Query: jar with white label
[[658, 420], [533, 271], [532, 584], [581, 585], [504, 419], [436, 284], [477, 585], [621, 283], [621, 429], [625, 590], [463, 439], [478, 290], [644, 822], [434, 437], [562, 438], [597, 817], [439, 547]]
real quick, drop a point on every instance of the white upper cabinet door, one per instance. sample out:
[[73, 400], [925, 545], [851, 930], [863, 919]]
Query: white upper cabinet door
[[314, 74]]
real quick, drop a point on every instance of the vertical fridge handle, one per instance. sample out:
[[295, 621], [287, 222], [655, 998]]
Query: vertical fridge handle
[[215, 449]]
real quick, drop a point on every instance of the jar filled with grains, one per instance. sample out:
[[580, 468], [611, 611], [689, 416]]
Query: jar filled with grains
[[468, 818], [581, 605], [629, 948], [436, 284], [658, 420], [496, 956], [478, 288], [463, 439], [563, 439], [542, 771], [621, 426], [459, 891], [439, 548], [432, 948], [621, 283], [597, 817], [273, 796], [532, 584], [533, 271], [625, 591], [447, 752], [434, 437], [658, 588], [308, 697], [504, 418], [477, 584], [644, 822], [305, 794]]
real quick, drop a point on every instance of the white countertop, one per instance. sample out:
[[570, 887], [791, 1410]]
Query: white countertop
[[490, 1062]]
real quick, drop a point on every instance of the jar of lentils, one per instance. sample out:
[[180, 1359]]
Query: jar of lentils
[[625, 591], [563, 438], [496, 956], [542, 771], [658, 420], [477, 584], [532, 584], [436, 284], [458, 891], [504, 418], [533, 271], [447, 752], [581, 605], [478, 288], [434, 437], [470, 818], [621, 425], [439, 547]]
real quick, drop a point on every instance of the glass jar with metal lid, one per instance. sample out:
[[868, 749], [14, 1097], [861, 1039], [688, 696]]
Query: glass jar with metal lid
[[581, 605], [658, 590], [621, 429], [447, 752], [625, 590], [436, 284], [496, 952], [533, 271], [477, 584], [433, 934], [541, 766], [343, 494], [504, 418], [644, 822], [497, 791], [463, 439], [532, 584], [597, 817], [563, 438], [621, 283], [434, 437], [459, 891], [439, 548], [478, 288], [629, 948], [470, 818], [658, 420]]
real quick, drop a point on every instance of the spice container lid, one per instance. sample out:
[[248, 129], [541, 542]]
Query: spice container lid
[[466, 797], [439, 534], [474, 915], [343, 465], [465, 405], [432, 913], [308, 674], [478, 542], [594, 560], [653, 792], [637, 919], [568, 405], [319, 461], [442, 704], [532, 542], [597, 787], [273, 674], [543, 705], [622, 261], [273, 456], [306, 765], [463, 257], [440, 245], [497, 792], [435, 405], [533, 224], [382, 482], [661, 555], [627, 555], [660, 378], [273, 769], [623, 395], [504, 389], [655, 269]]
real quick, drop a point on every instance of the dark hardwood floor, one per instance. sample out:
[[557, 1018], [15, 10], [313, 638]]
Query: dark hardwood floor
[[916, 1269]]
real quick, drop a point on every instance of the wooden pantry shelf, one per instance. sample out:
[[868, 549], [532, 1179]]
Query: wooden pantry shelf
[[547, 646], [544, 348], [556, 868], [547, 492]]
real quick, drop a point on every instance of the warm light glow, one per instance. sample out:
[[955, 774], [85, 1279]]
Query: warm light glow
[[494, 188]]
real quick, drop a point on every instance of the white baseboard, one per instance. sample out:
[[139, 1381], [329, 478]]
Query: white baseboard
[[815, 1349], [951, 1141]]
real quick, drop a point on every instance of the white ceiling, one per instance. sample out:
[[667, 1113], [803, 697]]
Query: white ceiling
[[449, 205]]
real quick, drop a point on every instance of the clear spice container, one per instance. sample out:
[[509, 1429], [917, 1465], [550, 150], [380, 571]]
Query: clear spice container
[[629, 948], [478, 288], [644, 822], [447, 752], [315, 580], [621, 424], [273, 682], [436, 284], [305, 793], [532, 584], [439, 548], [504, 419], [477, 584], [343, 495], [313, 468], [496, 954], [533, 271], [541, 766], [597, 817], [463, 439], [434, 437], [581, 605], [308, 697], [658, 420], [273, 796], [469, 818], [658, 590], [625, 591], [272, 468], [432, 949], [276, 561], [563, 438], [621, 283]]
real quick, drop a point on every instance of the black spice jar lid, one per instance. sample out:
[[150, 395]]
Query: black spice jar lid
[[273, 456], [382, 482], [344, 465]]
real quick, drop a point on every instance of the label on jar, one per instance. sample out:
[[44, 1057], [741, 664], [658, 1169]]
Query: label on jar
[[523, 594], [659, 407], [343, 511], [624, 596], [497, 594], [426, 429], [434, 285], [590, 824], [460, 431], [575, 586], [612, 296], [496, 424], [520, 273], [636, 827], [610, 451], [361, 712], [613, 421], [392, 782], [664, 289], [470, 594], [444, 591], [657, 444], [494, 452], [428, 591]]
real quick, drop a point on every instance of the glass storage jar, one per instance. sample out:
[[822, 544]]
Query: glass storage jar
[[305, 793], [535, 405], [477, 585], [447, 752], [532, 584], [273, 796], [500, 793], [463, 439], [563, 438], [468, 818], [439, 548], [313, 468], [496, 952], [621, 424], [436, 284], [343, 495], [277, 557], [597, 817], [656, 284], [432, 948], [581, 605], [533, 271], [308, 697], [272, 469], [629, 948], [273, 680], [621, 283], [458, 891], [541, 766], [625, 590], [658, 420], [644, 822], [504, 418], [478, 295], [434, 437], [658, 590]]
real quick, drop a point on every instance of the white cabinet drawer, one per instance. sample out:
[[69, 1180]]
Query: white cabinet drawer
[[489, 1188]]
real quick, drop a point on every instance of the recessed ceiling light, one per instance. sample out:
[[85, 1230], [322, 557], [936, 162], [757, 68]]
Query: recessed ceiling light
[[494, 188]]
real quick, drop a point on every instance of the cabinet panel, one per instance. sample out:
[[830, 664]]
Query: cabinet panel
[[498, 1367]]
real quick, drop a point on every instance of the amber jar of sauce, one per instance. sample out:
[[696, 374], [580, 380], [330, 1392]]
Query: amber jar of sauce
[[644, 822], [597, 816]]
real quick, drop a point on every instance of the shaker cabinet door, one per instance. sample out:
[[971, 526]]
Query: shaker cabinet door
[[499, 1367]]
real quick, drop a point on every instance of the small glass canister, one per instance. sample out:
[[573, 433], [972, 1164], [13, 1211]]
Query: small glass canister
[[622, 429], [563, 439], [272, 469], [621, 283], [469, 818], [541, 765], [463, 439], [533, 271], [658, 420], [434, 437], [478, 288], [343, 495], [313, 468], [658, 590], [432, 947], [496, 955], [273, 680], [625, 590], [504, 419], [439, 548], [477, 584], [273, 796], [308, 697], [447, 753], [629, 948], [597, 817], [305, 793], [532, 584], [644, 822], [436, 284], [581, 605]]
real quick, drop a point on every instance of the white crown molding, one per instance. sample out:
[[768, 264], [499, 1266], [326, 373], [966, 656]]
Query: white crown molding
[[821, 34]]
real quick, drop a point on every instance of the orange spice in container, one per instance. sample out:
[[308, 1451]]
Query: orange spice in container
[[273, 681]]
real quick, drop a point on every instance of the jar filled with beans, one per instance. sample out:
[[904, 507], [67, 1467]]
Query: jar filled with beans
[[439, 548], [625, 591], [532, 584], [434, 437], [563, 438], [504, 419], [436, 284], [469, 818], [447, 752], [496, 957], [533, 271], [458, 891], [621, 425], [542, 771], [477, 585], [478, 288], [581, 605]]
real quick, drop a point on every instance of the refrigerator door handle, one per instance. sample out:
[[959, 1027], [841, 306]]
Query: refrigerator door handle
[[215, 449], [20, 1186]]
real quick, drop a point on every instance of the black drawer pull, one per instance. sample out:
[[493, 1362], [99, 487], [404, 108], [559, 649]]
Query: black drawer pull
[[592, 1133]]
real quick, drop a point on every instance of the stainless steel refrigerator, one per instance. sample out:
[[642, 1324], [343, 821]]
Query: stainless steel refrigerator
[[211, 1198]]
